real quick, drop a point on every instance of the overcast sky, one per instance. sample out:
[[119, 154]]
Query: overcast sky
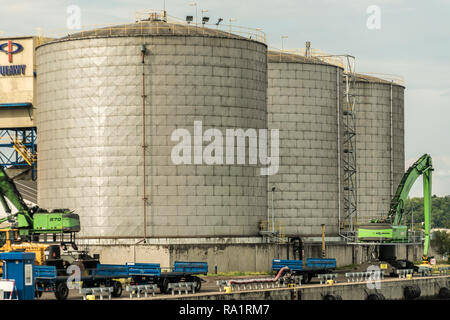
[[413, 41]]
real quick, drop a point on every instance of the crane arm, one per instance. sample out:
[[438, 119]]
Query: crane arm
[[5, 205], [427, 210], [423, 166], [9, 191]]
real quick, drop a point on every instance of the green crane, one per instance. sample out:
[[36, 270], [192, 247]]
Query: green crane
[[390, 229], [33, 221], [8, 190]]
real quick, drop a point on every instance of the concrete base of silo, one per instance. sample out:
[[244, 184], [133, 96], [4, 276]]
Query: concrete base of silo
[[252, 254]]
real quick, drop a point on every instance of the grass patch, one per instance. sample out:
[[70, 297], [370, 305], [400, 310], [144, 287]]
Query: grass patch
[[350, 266]]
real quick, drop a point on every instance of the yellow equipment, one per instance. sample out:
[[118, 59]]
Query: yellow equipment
[[9, 241]]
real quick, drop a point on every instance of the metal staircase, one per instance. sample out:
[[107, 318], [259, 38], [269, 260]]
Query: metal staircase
[[24, 152]]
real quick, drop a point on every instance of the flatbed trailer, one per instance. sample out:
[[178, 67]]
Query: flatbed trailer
[[109, 275], [312, 267]]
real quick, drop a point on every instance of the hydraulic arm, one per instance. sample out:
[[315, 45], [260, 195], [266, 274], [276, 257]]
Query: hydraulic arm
[[423, 167], [33, 221], [8, 190], [390, 229]]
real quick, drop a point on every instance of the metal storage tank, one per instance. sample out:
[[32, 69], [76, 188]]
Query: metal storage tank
[[303, 98], [380, 143], [92, 129]]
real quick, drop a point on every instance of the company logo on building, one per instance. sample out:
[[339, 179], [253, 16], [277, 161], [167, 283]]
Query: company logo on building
[[11, 48]]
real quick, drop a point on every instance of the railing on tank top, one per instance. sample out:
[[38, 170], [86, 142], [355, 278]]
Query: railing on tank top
[[170, 25]]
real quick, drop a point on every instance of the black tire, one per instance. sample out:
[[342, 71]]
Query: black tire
[[375, 296], [38, 294], [332, 297], [198, 284], [411, 292], [117, 289], [62, 291], [164, 286], [308, 277], [444, 293]]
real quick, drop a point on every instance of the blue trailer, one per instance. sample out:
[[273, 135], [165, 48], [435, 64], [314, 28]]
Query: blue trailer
[[108, 275], [45, 279], [183, 271], [311, 268]]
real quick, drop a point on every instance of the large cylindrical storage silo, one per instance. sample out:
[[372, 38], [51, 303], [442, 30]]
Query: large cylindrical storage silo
[[303, 102], [92, 127], [380, 147]]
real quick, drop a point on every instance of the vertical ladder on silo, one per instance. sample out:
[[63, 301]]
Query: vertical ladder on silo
[[349, 148]]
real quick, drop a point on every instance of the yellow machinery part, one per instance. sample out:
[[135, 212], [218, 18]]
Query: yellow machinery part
[[37, 248]]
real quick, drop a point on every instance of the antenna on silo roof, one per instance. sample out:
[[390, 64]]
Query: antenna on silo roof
[[164, 12], [308, 49]]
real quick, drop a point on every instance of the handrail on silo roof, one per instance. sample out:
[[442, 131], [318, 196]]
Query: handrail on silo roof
[[394, 78], [168, 23], [338, 60], [232, 29], [290, 54]]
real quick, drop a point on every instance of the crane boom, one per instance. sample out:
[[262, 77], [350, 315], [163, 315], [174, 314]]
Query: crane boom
[[390, 229], [423, 166], [9, 191], [34, 221]]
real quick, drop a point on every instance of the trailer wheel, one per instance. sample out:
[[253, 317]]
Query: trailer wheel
[[164, 285], [117, 289], [38, 294], [375, 296], [61, 291], [308, 278], [444, 293], [198, 284]]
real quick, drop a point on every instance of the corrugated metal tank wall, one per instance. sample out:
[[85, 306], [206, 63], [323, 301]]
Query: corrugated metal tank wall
[[302, 104], [90, 132], [379, 169]]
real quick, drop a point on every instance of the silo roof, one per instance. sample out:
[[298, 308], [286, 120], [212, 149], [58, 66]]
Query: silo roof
[[163, 28], [279, 56], [372, 79]]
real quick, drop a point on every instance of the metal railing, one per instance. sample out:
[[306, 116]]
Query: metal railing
[[143, 288], [164, 25], [323, 278], [397, 79], [364, 276], [319, 56], [182, 286], [97, 291], [415, 232], [274, 230], [315, 55]]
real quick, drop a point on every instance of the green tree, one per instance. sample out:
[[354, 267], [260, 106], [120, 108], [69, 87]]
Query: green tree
[[441, 242], [440, 211]]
